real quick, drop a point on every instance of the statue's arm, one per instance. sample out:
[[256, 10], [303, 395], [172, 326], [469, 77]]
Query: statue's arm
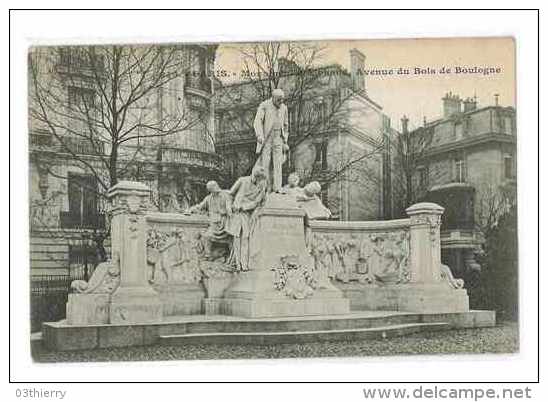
[[202, 206], [286, 124], [235, 187], [228, 202]]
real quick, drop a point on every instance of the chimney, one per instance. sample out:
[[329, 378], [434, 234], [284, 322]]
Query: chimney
[[470, 104], [404, 124], [451, 105], [357, 64]]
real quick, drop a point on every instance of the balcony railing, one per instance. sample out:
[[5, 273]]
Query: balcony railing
[[229, 137], [81, 146], [75, 61], [451, 223], [199, 81], [71, 220], [39, 139], [190, 157], [76, 145]]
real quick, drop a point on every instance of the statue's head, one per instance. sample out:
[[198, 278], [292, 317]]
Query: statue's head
[[258, 173], [212, 186], [293, 180], [312, 188], [277, 97]]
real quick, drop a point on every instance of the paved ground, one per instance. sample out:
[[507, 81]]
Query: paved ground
[[500, 339]]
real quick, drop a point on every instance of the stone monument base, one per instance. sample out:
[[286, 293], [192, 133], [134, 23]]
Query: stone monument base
[[181, 299], [421, 298], [88, 309], [197, 329], [135, 305], [273, 304]]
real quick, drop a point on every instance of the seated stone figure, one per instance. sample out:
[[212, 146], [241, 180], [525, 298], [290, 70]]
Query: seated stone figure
[[218, 205], [307, 197]]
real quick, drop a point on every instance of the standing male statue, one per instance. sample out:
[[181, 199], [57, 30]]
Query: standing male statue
[[248, 194], [271, 129]]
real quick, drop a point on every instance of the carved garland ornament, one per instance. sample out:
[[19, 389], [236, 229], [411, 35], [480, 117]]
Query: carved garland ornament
[[293, 279]]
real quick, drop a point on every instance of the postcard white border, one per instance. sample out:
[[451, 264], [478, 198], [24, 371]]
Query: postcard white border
[[27, 28]]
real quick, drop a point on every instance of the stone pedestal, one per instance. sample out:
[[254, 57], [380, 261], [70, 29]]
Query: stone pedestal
[[134, 301], [419, 298], [88, 309], [279, 233], [429, 289], [181, 299], [135, 305]]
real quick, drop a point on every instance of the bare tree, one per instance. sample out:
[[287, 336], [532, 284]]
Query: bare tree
[[492, 202], [105, 97], [316, 95], [409, 150], [102, 107]]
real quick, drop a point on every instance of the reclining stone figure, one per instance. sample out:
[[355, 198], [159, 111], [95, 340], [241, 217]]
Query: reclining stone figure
[[307, 197]]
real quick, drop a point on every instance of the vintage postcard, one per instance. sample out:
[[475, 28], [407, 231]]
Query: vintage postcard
[[273, 199]]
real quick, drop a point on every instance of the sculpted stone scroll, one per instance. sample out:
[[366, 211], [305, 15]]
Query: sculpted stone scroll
[[447, 277]]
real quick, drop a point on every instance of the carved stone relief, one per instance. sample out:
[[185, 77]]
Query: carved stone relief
[[293, 279], [363, 257], [177, 256]]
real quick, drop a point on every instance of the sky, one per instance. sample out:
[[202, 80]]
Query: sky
[[419, 95]]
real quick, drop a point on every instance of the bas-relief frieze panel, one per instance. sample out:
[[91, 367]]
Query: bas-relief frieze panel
[[366, 257], [176, 254]]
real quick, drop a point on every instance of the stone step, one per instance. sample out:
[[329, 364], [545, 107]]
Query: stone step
[[273, 338], [293, 324]]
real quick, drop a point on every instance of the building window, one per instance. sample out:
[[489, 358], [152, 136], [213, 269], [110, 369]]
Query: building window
[[321, 155], [82, 203], [290, 112], [81, 99], [320, 111], [508, 167], [81, 103], [458, 131], [508, 125], [460, 170], [423, 177]]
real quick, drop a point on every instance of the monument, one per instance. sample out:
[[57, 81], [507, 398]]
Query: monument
[[282, 280], [272, 259]]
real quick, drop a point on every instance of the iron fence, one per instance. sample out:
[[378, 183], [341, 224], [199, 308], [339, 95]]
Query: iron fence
[[48, 298], [49, 294]]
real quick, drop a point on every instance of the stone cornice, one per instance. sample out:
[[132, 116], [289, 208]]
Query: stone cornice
[[174, 218], [360, 225], [469, 142]]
